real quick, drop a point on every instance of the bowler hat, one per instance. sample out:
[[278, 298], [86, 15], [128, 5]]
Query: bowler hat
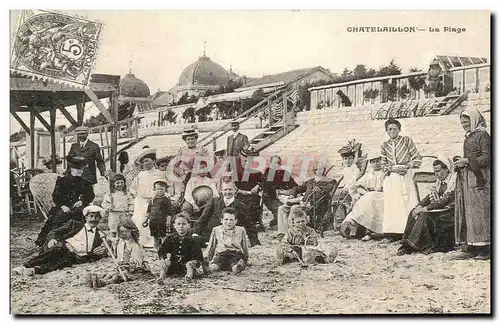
[[234, 123], [77, 162]]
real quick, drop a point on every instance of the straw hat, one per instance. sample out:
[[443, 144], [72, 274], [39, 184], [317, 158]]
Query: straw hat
[[93, 209], [189, 131], [82, 130], [145, 153]]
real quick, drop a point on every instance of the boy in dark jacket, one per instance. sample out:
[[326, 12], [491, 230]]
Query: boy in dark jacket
[[180, 253]]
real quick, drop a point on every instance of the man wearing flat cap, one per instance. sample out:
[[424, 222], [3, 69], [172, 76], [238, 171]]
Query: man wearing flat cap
[[236, 142], [74, 242], [91, 152]]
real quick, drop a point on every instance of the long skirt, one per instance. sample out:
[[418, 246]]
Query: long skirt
[[369, 212], [430, 232], [472, 209], [139, 216], [400, 196]]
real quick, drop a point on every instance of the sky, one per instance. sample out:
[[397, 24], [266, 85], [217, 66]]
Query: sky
[[158, 45]]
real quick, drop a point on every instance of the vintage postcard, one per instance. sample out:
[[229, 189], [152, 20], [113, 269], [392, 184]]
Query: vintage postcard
[[250, 162]]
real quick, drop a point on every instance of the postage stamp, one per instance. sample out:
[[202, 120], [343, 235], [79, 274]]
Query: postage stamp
[[55, 46]]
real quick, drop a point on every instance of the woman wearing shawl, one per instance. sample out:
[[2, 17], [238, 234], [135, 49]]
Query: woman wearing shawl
[[399, 157], [472, 209], [430, 225]]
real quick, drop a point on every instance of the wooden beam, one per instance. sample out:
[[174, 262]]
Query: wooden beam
[[98, 104], [53, 138], [67, 115], [113, 100], [80, 111], [26, 84], [32, 139], [21, 122], [40, 118]]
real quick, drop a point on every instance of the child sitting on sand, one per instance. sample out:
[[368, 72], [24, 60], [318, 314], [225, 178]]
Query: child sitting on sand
[[227, 247], [296, 238], [180, 253], [129, 255]]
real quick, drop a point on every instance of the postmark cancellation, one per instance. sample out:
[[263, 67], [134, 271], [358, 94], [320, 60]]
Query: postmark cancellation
[[55, 46]]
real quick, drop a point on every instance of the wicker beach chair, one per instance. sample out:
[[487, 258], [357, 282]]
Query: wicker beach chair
[[42, 186]]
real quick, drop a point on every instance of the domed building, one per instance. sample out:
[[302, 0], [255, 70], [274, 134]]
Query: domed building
[[130, 86], [135, 97], [195, 80], [204, 74]]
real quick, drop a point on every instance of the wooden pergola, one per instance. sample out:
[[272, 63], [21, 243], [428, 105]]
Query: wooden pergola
[[37, 96]]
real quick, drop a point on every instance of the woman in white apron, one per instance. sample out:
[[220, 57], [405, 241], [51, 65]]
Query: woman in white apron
[[399, 158], [142, 190]]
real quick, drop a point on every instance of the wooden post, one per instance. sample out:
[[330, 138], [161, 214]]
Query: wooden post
[[107, 143], [53, 138], [214, 145], [113, 100], [270, 117], [285, 112], [100, 135], [136, 127], [32, 138], [80, 111], [64, 152]]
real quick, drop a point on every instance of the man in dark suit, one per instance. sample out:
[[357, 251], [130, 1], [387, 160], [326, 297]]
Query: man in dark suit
[[73, 243], [236, 142], [91, 152], [212, 214], [71, 195]]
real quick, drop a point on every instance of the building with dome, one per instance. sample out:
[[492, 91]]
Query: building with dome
[[135, 99], [131, 86], [196, 79]]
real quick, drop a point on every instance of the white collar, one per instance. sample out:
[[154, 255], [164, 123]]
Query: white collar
[[84, 142], [236, 133], [228, 202], [87, 227]]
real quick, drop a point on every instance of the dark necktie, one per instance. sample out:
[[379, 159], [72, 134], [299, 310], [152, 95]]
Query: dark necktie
[[91, 230]]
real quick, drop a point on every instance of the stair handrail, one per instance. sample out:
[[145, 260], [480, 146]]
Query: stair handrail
[[277, 93], [450, 105], [286, 94], [455, 102], [252, 111]]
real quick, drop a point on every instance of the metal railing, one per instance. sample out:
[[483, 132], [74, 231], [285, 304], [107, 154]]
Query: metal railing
[[249, 113]]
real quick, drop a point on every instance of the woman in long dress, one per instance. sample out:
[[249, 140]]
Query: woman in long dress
[[368, 203], [431, 223], [142, 190], [399, 157], [472, 205]]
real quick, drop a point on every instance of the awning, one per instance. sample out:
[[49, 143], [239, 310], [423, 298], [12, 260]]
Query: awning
[[225, 97]]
